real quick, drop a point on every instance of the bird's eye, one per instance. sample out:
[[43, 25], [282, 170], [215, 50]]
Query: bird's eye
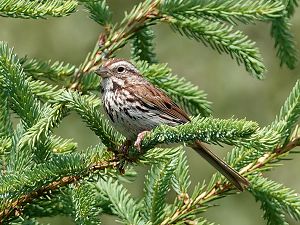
[[120, 69]]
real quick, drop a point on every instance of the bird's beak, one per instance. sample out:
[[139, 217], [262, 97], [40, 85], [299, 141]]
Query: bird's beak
[[103, 72]]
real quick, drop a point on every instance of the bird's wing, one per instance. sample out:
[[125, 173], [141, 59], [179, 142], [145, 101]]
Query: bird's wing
[[153, 98]]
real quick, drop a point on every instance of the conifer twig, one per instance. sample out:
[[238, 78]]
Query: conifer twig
[[221, 189], [112, 39], [14, 208]]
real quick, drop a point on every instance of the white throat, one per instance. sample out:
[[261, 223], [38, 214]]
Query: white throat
[[111, 84]]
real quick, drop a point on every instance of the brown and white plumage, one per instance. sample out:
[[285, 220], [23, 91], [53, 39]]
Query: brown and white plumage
[[134, 105], [149, 105]]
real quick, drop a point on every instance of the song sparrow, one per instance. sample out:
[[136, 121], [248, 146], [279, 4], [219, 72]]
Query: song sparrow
[[134, 106]]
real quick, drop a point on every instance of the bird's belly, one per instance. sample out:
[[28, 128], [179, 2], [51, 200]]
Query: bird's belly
[[126, 118], [130, 119], [131, 122]]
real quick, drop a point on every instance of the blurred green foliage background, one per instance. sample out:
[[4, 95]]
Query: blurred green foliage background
[[231, 89]]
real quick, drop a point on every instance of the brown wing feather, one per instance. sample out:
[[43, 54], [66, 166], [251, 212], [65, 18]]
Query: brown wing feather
[[156, 98]]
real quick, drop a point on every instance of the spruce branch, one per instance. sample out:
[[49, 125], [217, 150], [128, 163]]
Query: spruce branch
[[60, 145], [37, 9], [276, 200], [83, 199], [33, 145], [283, 125], [181, 178], [40, 130], [90, 82], [99, 12], [191, 205], [289, 113], [5, 148], [44, 91], [17, 190], [14, 82], [222, 38], [142, 48], [196, 19], [54, 203], [159, 155], [140, 16], [87, 107], [156, 187], [6, 127], [38, 119], [284, 42], [220, 188], [245, 11], [212, 131], [117, 36], [122, 203], [291, 6], [5, 145], [47, 69], [37, 70], [244, 159], [32, 172]]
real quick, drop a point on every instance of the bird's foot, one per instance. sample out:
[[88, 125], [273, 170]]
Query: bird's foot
[[125, 147], [139, 140], [121, 153]]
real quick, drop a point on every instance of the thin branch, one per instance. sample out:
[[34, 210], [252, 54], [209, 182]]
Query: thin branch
[[220, 189], [16, 206], [113, 39], [266, 158]]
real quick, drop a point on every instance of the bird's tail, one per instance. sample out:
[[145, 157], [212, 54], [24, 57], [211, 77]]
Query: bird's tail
[[231, 174]]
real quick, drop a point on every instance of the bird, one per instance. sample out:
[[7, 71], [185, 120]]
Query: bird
[[135, 106]]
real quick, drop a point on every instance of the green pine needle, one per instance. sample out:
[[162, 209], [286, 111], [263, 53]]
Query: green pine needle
[[84, 200], [158, 155], [156, 187], [37, 9], [14, 185], [284, 42], [181, 178], [60, 145], [41, 129], [88, 108], [6, 127], [24, 103], [90, 82], [212, 131], [122, 203], [289, 113], [291, 7], [142, 48], [246, 11], [38, 120], [99, 11], [5, 145], [44, 91], [55, 71], [221, 37], [283, 125], [276, 200]]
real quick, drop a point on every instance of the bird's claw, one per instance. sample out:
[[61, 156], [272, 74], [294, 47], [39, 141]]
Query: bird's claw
[[139, 139], [125, 147], [121, 153]]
